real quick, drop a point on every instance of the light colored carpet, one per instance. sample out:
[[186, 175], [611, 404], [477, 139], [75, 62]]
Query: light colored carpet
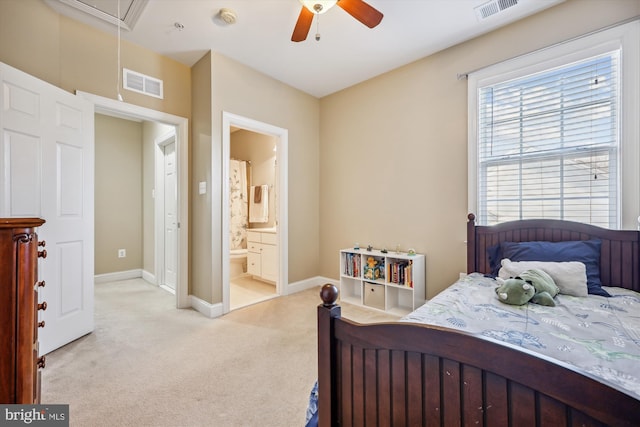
[[149, 364]]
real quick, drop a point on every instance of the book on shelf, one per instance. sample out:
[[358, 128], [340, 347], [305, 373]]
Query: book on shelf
[[401, 273], [351, 264]]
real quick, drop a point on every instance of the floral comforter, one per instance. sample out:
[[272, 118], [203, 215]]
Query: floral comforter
[[597, 334]]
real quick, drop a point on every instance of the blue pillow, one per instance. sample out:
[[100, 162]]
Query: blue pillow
[[494, 253], [585, 251]]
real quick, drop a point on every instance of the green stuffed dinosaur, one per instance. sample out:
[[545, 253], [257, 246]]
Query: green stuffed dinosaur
[[531, 285]]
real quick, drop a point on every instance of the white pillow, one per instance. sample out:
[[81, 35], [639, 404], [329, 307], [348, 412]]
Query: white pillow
[[570, 276]]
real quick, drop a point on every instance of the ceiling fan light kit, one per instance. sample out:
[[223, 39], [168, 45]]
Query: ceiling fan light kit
[[318, 6], [360, 10]]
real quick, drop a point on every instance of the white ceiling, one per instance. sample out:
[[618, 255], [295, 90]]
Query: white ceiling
[[347, 53]]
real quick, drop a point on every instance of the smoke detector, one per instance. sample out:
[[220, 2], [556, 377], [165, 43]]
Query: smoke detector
[[228, 15]]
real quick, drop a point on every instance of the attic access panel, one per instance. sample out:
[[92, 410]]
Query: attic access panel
[[105, 10]]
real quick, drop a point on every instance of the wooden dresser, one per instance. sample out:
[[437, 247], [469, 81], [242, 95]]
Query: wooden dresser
[[19, 361]]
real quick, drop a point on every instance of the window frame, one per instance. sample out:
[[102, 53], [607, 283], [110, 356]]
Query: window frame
[[624, 37]]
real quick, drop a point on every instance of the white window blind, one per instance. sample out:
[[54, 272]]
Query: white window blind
[[548, 144]]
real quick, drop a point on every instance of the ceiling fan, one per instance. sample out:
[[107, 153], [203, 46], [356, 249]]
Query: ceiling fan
[[360, 10]]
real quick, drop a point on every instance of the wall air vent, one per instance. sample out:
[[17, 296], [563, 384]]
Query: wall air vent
[[140, 83], [493, 7]]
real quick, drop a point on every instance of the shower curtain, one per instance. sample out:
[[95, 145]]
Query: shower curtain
[[238, 204]]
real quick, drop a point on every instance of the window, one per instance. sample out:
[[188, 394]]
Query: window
[[548, 145], [546, 139]]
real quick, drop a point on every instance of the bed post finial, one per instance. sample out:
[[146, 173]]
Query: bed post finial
[[329, 295], [472, 264]]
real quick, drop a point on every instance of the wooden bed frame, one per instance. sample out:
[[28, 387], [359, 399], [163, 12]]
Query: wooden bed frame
[[404, 374]]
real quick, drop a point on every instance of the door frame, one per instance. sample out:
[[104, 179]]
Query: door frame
[[121, 109], [159, 144], [282, 188]]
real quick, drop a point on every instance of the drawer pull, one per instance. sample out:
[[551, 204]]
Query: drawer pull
[[42, 254], [41, 284], [41, 324], [42, 306], [41, 362], [42, 243]]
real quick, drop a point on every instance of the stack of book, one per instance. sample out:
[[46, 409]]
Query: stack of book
[[351, 264], [399, 272]]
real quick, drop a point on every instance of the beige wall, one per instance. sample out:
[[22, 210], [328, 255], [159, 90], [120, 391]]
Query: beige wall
[[394, 149], [125, 181], [200, 283], [74, 56], [269, 101], [118, 194]]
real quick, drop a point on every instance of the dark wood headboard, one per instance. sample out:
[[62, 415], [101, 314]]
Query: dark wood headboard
[[619, 256]]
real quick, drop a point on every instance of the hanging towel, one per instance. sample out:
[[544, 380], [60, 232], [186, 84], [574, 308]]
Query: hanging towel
[[259, 212], [257, 197]]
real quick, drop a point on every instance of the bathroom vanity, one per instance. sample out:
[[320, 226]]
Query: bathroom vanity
[[262, 257]]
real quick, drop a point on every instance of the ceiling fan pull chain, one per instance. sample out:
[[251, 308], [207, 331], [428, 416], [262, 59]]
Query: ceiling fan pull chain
[[358, 9], [318, 27]]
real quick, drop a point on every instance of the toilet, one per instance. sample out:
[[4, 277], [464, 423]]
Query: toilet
[[238, 262]]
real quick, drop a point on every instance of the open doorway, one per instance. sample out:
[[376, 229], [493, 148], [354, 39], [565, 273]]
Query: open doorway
[[258, 162], [253, 220], [179, 126]]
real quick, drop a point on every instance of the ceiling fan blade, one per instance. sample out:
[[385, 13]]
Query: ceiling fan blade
[[362, 11], [302, 25]]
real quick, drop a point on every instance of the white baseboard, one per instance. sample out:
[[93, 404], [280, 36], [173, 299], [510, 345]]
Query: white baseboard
[[313, 282], [149, 277], [168, 289], [206, 308], [125, 275], [118, 275]]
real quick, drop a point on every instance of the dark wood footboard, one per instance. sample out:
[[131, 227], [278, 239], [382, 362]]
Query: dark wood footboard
[[402, 374]]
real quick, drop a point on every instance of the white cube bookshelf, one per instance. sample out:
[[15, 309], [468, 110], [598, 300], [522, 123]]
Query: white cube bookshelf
[[399, 282]]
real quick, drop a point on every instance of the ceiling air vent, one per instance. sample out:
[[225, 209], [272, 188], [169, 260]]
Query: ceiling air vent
[[140, 83], [491, 8]]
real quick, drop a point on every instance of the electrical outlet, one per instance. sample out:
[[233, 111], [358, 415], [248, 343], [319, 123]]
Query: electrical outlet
[[122, 253]]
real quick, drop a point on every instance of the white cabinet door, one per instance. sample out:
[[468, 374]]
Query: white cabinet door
[[254, 264], [269, 262], [47, 169]]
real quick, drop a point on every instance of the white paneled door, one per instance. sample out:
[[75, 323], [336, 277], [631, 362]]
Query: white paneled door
[[46, 171], [170, 216]]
